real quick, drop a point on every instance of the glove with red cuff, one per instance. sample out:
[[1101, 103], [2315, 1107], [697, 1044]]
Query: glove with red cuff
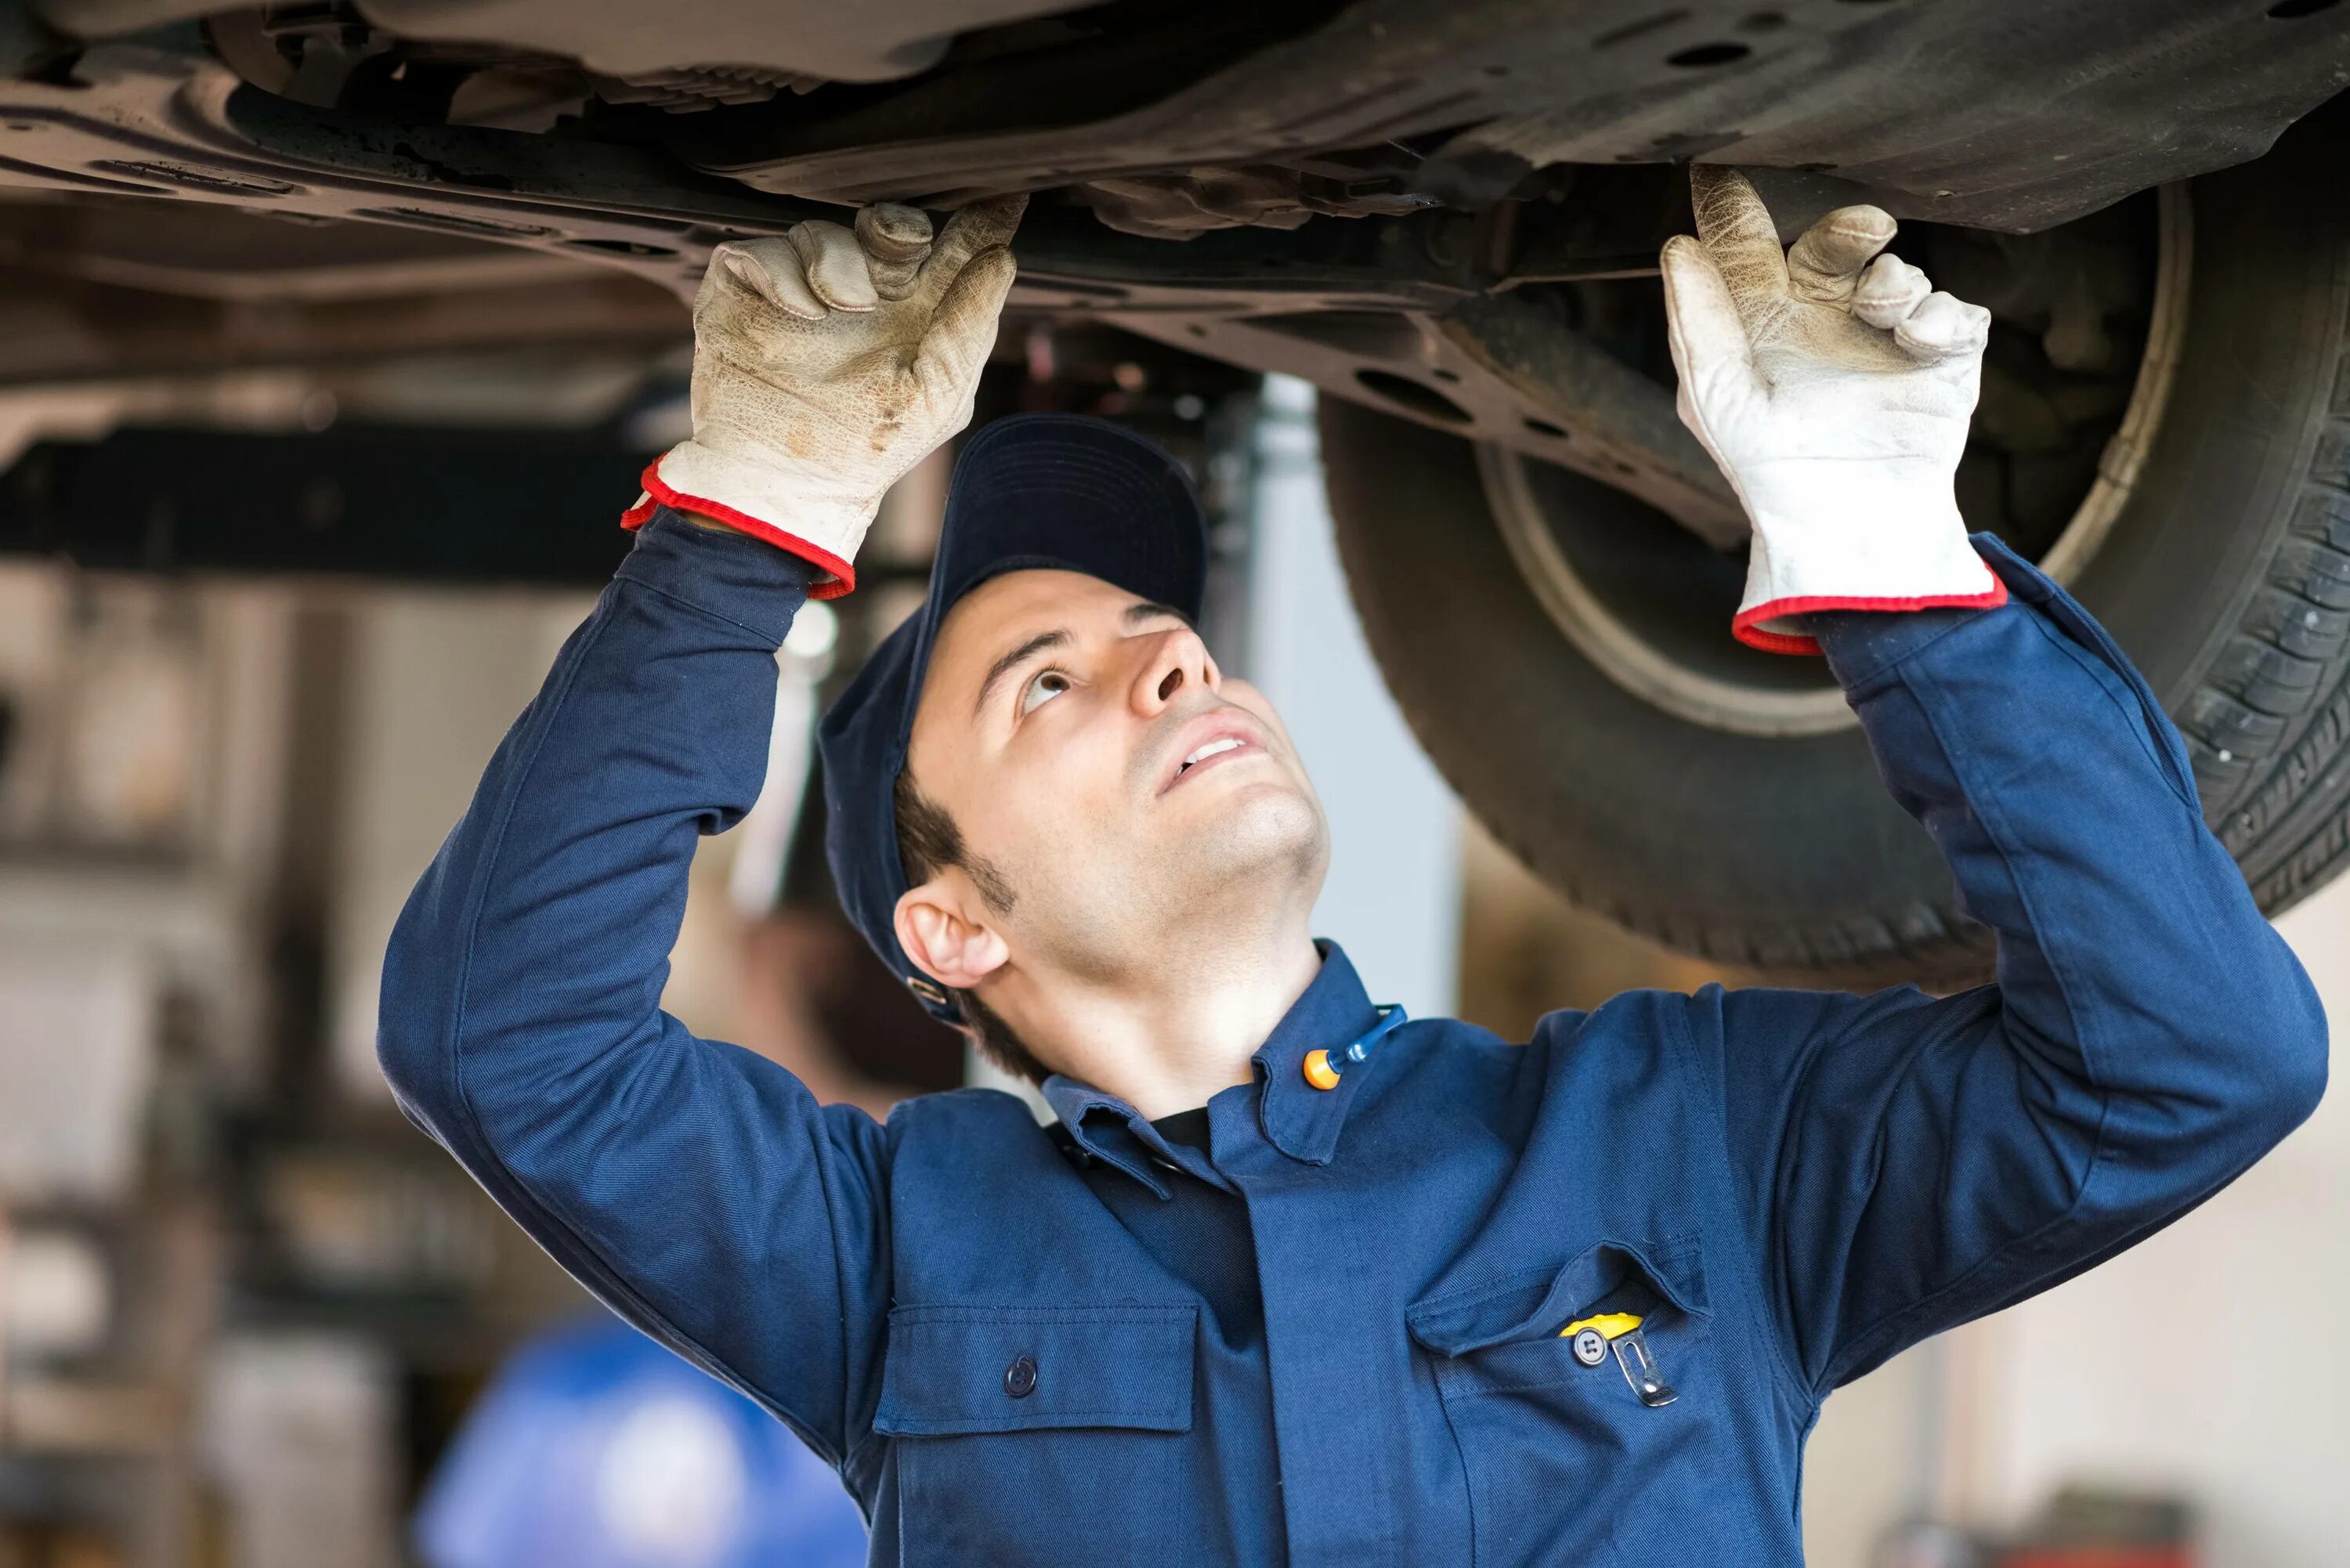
[[1834, 387], [826, 364]]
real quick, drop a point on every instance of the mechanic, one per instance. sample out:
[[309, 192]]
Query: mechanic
[[1293, 1280]]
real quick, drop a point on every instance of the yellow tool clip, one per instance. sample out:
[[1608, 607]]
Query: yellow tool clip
[[1610, 1325]]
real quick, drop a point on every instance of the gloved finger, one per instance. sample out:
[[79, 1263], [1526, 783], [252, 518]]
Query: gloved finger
[[1826, 259], [1711, 348], [1737, 230], [897, 241], [769, 268], [962, 329], [981, 226], [835, 265], [1943, 327], [1888, 292]]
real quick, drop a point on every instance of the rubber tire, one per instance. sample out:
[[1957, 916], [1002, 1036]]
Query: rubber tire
[[2227, 577]]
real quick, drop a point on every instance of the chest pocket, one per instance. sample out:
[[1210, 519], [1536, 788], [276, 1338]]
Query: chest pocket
[[1039, 1435], [1566, 1458]]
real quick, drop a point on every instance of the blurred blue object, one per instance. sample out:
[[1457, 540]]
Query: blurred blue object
[[594, 1448]]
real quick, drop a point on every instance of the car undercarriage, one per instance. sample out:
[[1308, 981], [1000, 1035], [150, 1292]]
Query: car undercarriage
[[1444, 217]]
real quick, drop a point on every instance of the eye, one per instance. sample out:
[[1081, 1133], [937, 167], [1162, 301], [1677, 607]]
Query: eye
[[1042, 687]]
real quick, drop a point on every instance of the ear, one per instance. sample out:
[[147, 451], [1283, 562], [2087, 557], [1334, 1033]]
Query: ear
[[940, 927]]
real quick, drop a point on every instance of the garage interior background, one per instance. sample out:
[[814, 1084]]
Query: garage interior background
[[253, 1320]]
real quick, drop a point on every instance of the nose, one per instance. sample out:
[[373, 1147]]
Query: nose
[[1172, 660]]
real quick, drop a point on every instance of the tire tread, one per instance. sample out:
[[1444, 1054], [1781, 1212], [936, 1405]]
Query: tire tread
[[2268, 724]]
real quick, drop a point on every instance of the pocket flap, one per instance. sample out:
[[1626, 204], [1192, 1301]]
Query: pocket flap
[[1531, 1302], [950, 1369]]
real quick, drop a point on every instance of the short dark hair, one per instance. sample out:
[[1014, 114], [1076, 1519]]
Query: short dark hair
[[929, 842]]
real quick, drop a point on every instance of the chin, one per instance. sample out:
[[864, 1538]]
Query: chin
[[1263, 827], [1104, 904]]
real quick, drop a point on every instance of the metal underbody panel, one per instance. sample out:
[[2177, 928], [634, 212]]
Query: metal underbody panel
[[1489, 144], [2007, 114]]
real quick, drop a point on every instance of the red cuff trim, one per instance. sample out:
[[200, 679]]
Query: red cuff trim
[[843, 576], [1746, 628]]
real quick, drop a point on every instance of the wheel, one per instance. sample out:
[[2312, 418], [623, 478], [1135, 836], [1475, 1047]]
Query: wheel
[[2165, 427]]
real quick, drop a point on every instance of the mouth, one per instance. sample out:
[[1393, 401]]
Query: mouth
[[1212, 742]]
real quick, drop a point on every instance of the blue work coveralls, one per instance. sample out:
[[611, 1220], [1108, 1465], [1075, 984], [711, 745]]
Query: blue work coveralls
[[1333, 1337]]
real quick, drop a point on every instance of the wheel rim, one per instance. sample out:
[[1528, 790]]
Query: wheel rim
[[1578, 580]]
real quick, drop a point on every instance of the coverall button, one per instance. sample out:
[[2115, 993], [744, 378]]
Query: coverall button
[[1591, 1347], [1020, 1377]]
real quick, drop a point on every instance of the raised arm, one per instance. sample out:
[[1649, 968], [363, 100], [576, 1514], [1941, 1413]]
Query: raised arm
[[1905, 1162], [696, 1188], [1908, 1162]]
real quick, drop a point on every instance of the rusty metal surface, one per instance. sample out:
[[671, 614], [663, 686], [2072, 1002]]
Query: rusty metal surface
[[1625, 431]]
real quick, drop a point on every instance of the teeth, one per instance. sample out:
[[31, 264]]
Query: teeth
[[1210, 750]]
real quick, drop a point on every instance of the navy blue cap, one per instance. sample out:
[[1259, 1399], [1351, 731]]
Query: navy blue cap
[[1033, 491]]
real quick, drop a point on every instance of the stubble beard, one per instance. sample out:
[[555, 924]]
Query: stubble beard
[[1229, 883]]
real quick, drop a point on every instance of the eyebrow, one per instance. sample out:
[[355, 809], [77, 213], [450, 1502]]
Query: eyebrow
[[1136, 613], [1014, 660]]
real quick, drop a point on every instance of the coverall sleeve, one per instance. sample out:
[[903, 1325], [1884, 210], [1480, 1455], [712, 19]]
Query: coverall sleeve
[[696, 1188], [1905, 1163]]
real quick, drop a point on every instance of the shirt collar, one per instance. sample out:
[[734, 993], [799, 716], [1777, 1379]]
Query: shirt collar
[[1105, 1128], [1300, 1120]]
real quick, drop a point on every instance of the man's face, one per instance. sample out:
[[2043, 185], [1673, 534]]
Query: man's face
[[1123, 790]]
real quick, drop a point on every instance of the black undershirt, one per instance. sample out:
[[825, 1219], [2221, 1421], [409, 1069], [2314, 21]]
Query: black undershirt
[[1186, 1127]]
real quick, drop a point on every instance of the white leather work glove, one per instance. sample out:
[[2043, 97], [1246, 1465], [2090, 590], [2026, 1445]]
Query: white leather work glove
[[1833, 385], [827, 363]]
